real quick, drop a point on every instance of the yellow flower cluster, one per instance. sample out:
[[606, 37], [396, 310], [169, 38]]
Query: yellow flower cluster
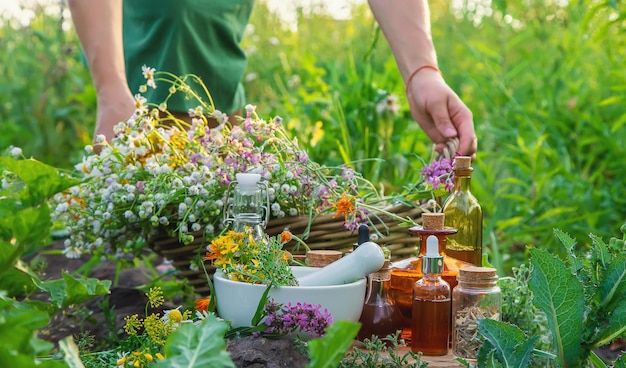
[[138, 359], [243, 258], [157, 328]]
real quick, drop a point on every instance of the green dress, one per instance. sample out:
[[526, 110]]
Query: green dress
[[200, 37]]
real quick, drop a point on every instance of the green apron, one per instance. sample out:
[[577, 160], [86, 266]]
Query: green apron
[[199, 37]]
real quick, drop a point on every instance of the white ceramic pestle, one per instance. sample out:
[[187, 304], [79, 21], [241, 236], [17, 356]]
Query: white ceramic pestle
[[365, 259]]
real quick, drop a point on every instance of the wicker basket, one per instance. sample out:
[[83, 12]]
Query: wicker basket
[[324, 232], [182, 255]]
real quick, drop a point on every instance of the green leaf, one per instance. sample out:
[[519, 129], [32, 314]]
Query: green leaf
[[42, 181], [327, 351], [569, 243], [613, 284], [18, 327], [29, 226], [560, 296], [616, 327], [69, 290], [486, 357], [198, 346], [510, 345], [600, 251], [16, 282], [565, 239], [260, 308]]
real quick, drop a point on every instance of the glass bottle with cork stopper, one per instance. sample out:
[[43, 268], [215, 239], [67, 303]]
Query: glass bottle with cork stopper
[[405, 273], [463, 212], [430, 326], [380, 316], [476, 296]]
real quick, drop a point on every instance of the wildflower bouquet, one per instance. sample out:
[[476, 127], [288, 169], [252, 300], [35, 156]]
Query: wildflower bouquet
[[241, 257], [163, 173]]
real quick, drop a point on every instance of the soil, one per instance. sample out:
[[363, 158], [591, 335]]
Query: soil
[[90, 317]]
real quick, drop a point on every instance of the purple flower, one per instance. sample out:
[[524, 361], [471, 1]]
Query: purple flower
[[140, 186], [302, 317], [303, 157], [348, 174], [439, 173]]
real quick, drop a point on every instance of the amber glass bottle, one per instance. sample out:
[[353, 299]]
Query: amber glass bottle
[[405, 273], [430, 326], [463, 213], [380, 316]]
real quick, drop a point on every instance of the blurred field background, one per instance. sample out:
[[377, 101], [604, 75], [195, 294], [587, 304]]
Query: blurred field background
[[546, 81]]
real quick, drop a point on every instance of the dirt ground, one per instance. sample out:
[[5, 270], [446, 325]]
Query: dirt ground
[[89, 318]]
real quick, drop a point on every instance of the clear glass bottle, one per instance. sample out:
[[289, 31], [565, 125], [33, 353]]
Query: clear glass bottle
[[477, 295], [248, 210], [380, 315], [463, 212], [430, 326]]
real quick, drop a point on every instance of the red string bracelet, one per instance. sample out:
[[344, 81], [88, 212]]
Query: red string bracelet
[[408, 81]]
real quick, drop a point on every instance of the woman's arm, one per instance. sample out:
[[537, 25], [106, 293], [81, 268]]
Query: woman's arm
[[434, 105], [99, 28]]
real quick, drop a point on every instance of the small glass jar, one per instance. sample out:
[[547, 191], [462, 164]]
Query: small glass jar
[[476, 296]]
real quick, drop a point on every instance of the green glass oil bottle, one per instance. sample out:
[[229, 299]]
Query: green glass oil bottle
[[463, 212]]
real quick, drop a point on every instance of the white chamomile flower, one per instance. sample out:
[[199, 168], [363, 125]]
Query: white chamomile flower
[[148, 73]]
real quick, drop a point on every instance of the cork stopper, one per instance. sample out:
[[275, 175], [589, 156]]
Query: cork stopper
[[433, 221], [462, 162], [475, 274], [322, 258]]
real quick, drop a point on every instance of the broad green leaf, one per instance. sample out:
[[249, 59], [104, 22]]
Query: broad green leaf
[[16, 282], [486, 357], [42, 181], [613, 284], [511, 347], [71, 353], [198, 346], [9, 358], [18, 326], [29, 226], [327, 351], [69, 290], [560, 296]]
